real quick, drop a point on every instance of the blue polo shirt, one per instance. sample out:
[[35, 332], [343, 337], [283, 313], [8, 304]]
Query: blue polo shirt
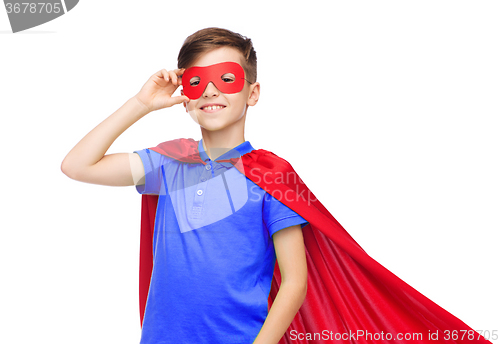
[[213, 253]]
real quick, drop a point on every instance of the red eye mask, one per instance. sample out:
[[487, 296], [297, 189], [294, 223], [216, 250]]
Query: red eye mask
[[196, 79]]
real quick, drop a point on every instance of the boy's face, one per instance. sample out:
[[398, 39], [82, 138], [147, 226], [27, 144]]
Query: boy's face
[[215, 110]]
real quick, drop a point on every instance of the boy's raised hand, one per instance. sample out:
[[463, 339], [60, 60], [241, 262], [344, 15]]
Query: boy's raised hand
[[87, 161], [157, 91]]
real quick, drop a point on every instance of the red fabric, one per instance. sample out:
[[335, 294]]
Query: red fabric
[[350, 296]]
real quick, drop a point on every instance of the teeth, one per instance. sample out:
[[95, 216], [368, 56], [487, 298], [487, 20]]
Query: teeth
[[213, 107]]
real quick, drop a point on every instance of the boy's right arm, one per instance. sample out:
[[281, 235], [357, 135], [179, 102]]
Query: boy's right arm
[[87, 161]]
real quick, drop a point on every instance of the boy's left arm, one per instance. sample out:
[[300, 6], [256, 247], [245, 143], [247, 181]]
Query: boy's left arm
[[291, 257]]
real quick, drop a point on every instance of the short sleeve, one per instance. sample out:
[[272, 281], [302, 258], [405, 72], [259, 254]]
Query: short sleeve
[[278, 216], [152, 162]]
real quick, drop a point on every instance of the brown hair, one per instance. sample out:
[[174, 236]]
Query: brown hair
[[209, 39]]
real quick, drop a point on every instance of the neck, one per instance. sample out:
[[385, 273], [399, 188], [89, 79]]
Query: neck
[[219, 142]]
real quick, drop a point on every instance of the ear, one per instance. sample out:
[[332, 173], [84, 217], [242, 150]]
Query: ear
[[184, 103], [254, 94]]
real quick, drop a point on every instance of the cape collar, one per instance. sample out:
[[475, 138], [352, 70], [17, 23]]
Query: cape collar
[[190, 151], [234, 153]]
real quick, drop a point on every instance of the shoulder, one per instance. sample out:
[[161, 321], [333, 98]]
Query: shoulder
[[270, 171], [266, 160]]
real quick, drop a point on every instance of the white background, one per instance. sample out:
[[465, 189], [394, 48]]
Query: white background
[[388, 110]]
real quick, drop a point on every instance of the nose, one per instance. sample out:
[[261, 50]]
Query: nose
[[210, 91]]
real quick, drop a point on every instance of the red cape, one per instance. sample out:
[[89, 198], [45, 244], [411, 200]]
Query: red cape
[[351, 298]]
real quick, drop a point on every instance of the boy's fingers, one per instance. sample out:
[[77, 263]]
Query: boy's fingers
[[164, 73], [180, 72], [170, 76], [173, 77], [178, 99]]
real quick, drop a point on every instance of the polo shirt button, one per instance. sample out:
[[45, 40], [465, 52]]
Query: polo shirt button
[[203, 179], [207, 167], [199, 192]]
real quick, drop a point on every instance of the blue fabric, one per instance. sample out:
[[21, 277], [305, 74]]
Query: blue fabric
[[213, 253]]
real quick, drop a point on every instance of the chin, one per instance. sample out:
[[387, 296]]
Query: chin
[[213, 126], [217, 123]]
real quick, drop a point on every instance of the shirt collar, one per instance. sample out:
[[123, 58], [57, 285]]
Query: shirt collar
[[236, 152]]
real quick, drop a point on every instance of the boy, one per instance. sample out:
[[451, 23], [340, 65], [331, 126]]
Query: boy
[[223, 213], [183, 305]]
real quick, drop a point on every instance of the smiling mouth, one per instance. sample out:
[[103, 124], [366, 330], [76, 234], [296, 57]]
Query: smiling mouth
[[212, 108]]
